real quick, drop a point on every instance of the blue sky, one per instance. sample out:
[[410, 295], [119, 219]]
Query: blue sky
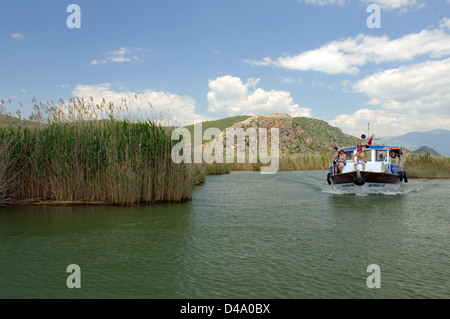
[[209, 59]]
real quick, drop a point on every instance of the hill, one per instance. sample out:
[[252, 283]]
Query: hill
[[7, 120], [220, 124], [325, 134], [298, 135], [438, 140], [425, 150]]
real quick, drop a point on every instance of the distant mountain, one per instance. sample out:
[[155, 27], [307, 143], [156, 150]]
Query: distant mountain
[[438, 140], [424, 150], [298, 135]]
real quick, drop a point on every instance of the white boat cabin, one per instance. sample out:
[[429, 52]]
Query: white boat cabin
[[379, 159]]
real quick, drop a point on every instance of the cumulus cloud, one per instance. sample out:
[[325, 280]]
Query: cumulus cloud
[[348, 55], [232, 96], [227, 94], [118, 56], [158, 106], [410, 98]]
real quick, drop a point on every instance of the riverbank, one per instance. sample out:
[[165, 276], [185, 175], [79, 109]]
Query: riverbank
[[190, 175], [427, 166]]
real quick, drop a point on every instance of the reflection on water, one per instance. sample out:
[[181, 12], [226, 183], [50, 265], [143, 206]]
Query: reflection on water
[[244, 235]]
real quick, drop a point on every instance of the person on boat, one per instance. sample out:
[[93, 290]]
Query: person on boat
[[359, 147], [359, 159], [381, 157], [335, 159], [341, 161]]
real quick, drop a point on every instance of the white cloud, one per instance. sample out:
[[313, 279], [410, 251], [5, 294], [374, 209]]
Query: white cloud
[[230, 95], [289, 80], [411, 98], [444, 23], [17, 36], [95, 62], [325, 2], [384, 4], [396, 4], [118, 56], [348, 55], [158, 106]]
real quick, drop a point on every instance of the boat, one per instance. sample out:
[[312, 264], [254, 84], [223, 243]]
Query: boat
[[381, 171]]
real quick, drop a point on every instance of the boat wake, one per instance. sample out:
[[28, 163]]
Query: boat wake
[[335, 191]]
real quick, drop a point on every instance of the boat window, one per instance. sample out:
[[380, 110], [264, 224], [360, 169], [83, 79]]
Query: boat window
[[349, 155], [381, 156]]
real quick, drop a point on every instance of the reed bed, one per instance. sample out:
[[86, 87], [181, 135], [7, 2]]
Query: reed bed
[[304, 162], [79, 154], [6, 175], [289, 163], [427, 166]]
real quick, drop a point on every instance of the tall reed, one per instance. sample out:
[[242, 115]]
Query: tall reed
[[6, 174], [427, 166], [79, 154], [289, 163]]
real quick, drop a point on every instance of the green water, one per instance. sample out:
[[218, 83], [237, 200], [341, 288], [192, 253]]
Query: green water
[[244, 235]]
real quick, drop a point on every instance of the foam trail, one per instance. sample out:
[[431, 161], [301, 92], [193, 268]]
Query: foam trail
[[403, 191], [334, 191]]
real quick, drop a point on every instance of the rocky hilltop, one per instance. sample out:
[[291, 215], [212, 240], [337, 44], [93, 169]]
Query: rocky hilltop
[[293, 139], [298, 135]]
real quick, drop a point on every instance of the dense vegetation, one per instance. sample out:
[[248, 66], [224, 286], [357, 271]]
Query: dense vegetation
[[289, 163], [427, 166], [76, 155]]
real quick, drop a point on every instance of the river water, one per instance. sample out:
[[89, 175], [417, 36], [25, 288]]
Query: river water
[[244, 235]]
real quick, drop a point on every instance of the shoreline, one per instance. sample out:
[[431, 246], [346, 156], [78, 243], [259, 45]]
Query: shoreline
[[62, 203]]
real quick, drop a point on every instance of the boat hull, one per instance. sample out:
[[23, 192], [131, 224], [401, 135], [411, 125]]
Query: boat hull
[[366, 182]]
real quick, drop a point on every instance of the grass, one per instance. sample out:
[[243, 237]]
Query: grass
[[6, 176], [427, 166]]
